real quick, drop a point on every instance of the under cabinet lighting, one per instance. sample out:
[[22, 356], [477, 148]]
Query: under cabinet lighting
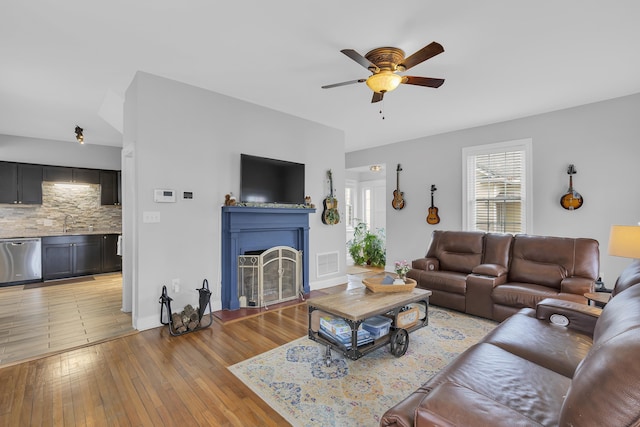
[[70, 185]]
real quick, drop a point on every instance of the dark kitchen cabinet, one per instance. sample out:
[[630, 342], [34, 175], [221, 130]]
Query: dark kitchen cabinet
[[69, 256], [111, 261], [74, 175], [110, 191], [20, 183]]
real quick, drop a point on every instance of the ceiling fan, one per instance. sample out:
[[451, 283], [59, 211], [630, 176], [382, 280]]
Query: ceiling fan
[[385, 62]]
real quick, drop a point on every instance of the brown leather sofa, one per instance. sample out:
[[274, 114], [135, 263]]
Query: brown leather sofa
[[494, 275], [560, 364]]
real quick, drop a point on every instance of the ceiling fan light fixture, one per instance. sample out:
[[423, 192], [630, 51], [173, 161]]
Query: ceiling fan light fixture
[[384, 81], [79, 135]]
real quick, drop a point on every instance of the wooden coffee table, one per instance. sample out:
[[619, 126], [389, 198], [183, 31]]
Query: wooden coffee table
[[358, 304]]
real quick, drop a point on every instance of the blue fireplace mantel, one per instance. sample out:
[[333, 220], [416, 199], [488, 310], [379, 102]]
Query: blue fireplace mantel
[[258, 228]]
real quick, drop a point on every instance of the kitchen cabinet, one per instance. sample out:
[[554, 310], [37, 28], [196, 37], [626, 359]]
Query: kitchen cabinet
[[69, 256], [20, 183], [110, 192], [74, 175], [111, 261]]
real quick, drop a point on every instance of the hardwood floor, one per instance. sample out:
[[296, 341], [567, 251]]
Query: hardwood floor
[[49, 317], [152, 378]]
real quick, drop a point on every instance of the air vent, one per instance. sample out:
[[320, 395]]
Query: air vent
[[327, 263]]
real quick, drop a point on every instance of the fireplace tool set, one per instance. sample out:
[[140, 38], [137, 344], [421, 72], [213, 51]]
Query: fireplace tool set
[[190, 319]]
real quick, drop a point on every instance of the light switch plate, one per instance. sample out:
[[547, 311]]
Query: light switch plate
[[150, 217]]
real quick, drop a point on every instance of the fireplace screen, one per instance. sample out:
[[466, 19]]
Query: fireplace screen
[[269, 277]]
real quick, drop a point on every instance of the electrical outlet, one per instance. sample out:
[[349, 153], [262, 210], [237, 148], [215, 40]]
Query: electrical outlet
[[175, 285]]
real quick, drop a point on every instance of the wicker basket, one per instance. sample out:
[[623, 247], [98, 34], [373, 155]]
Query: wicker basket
[[375, 285]]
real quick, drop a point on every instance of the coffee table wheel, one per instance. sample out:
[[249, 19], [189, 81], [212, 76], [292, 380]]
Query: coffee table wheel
[[399, 342], [327, 356]]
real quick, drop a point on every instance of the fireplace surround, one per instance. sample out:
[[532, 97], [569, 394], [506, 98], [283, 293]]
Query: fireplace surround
[[249, 229]]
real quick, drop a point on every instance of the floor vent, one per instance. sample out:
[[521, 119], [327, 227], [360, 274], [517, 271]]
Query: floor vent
[[327, 263]]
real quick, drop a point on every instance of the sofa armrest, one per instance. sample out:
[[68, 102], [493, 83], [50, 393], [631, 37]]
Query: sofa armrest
[[576, 285], [495, 270], [579, 317], [450, 404], [478, 299], [426, 264]]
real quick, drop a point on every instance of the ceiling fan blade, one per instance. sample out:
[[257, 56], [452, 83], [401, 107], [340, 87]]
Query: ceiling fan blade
[[377, 97], [429, 51], [360, 59], [344, 83], [422, 81]]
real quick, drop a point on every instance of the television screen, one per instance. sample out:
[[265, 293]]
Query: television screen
[[265, 180]]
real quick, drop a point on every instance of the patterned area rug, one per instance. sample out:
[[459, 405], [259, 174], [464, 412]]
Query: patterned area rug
[[295, 381]]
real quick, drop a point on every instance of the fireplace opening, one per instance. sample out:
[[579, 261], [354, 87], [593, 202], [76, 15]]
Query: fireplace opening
[[269, 276]]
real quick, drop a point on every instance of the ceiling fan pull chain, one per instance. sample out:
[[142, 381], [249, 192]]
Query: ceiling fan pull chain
[[382, 109]]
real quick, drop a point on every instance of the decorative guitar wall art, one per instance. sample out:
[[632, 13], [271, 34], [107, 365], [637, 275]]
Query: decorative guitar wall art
[[572, 199], [330, 215], [432, 217], [398, 200]]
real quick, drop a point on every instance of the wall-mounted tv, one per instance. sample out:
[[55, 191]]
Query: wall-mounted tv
[[264, 180]]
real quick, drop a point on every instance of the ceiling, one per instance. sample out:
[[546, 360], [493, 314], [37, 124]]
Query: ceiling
[[70, 62]]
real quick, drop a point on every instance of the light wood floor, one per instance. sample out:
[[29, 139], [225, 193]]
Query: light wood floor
[[46, 318], [152, 378]]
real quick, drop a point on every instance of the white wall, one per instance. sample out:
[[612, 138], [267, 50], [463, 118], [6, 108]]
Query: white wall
[[58, 153], [189, 139], [601, 139]]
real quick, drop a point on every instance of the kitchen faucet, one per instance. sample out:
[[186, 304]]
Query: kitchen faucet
[[67, 217]]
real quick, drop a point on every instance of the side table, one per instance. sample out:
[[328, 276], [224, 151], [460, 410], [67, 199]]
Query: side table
[[599, 299]]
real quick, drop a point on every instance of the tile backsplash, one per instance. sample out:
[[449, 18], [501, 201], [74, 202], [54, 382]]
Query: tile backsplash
[[81, 202]]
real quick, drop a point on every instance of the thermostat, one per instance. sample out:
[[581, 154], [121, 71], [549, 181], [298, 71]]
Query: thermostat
[[164, 196]]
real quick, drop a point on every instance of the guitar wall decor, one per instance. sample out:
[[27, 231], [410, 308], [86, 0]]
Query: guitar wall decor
[[572, 199], [330, 215], [398, 200], [432, 217]]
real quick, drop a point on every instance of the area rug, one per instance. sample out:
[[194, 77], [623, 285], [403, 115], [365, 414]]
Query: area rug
[[295, 381]]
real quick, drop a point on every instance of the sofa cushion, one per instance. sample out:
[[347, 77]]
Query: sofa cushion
[[621, 314], [497, 248], [630, 276], [520, 295], [547, 260], [543, 343], [605, 389], [441, 280], [441, 408], [457, 250], [503, 377]]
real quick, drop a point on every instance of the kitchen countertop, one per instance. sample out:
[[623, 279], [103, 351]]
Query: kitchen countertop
[[72, 232]]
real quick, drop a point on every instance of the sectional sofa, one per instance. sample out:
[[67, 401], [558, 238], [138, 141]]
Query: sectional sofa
[[561, 363], [494, 275]]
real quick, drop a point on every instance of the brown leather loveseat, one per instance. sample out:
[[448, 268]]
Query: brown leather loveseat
[[494, 275], [560, 364]]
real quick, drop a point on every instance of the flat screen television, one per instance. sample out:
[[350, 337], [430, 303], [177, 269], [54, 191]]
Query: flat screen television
[[264, 180]]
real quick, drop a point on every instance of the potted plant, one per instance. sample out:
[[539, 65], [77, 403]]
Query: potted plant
[[367, 247]]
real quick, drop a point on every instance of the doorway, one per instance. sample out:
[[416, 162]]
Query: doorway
[[365, 199]]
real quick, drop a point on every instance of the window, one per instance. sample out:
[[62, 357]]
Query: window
[[349, 199], [497, 187]]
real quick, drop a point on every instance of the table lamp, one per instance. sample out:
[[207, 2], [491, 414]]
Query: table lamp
[[624, 241]]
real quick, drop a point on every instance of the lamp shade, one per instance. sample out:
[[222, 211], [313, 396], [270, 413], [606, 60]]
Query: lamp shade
[[384, 81], [624, 241]]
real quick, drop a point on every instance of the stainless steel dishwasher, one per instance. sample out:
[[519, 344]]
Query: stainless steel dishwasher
[[20, 260]]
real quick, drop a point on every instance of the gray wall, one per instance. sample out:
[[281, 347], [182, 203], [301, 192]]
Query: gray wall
[[601, 139], [185, 138], [59, 153]]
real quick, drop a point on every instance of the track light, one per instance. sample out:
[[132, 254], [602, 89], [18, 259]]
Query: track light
[[79, 135]]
